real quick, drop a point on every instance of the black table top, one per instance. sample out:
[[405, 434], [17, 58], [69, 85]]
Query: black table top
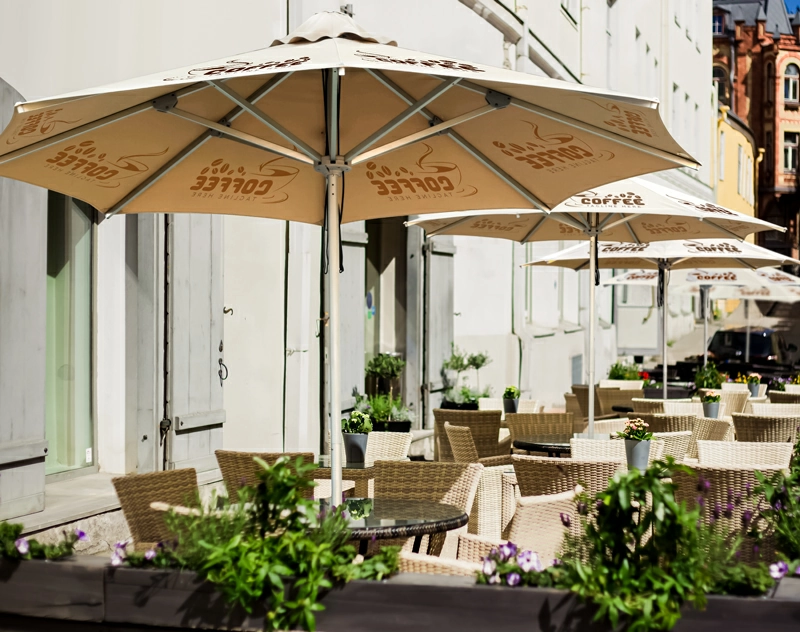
[[382, 518], [534, 444]]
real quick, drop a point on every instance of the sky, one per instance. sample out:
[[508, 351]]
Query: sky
[[792, 5]]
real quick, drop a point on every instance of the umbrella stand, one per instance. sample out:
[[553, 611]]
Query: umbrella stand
[[334, 240], [747, 305], [663, 273]]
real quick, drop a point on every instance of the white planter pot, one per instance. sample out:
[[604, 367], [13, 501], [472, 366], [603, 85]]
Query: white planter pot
[[637, 453]]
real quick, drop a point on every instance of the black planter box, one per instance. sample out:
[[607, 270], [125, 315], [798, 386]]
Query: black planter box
[[391, 426], [448, 405], [673, 392]]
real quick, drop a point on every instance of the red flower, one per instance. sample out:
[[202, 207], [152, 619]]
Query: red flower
[[644, 375]]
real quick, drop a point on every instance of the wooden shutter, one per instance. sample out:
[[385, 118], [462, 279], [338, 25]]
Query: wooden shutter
[[23, 302], [195, 341]]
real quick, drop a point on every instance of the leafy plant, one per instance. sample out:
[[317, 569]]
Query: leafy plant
[[779, 384], [385, 365], [635, 429], [795, 379], [754, 378], [383, 408], [511, 392], [356, 423], [711, 398], [622, 371], [725, 574], [457, 361], [466, 395], [13, 546], [358, 507], [274, 547], [708, 376]]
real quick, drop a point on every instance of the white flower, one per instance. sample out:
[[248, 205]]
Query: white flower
[[489, 566]]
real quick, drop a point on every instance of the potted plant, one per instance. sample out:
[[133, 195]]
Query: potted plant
[[454, 366], [355, 431], [463, 398], [753, 383], [388, 414], [637, 443], [511, 399], [622, 371], [383, 374], [711, 405], [477, 361], [708, 377]]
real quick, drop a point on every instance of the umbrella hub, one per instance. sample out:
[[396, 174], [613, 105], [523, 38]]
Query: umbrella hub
[[326, 166], [331, 25]]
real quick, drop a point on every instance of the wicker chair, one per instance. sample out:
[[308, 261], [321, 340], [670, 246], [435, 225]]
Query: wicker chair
[[676, 444], [543, 475], [137, 491], [734, 401], [387, 446], [608, 450], [734, 387], [529, 406], [765, 428], [776, 397], [490, 447], [581, 391], [740, 454], [634, 385], [464, 449], [609, 426], [579, 422], [725, 501], [537, 526], [662, 422], [775, 410], [239, 468], [451, 483], [610, 397], [748, 409], [706, 429], [556, 427], [642, 405], [490, 403]]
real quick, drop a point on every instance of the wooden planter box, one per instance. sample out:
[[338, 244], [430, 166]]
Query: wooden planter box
[[85, 589]]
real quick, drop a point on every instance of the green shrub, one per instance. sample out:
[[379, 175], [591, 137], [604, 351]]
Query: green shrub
[[385, 365], [622, 371], [357, 422], [14, 546], [511, 392], [708, 376]]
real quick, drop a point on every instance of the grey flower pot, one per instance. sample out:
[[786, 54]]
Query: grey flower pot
[[753, 389], [637, 453], [510, 405], [711, 410], [355, 446]]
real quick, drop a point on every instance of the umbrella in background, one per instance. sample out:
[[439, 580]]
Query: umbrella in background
[[278, 132], [665, 256], [633, 208], [743, 284]]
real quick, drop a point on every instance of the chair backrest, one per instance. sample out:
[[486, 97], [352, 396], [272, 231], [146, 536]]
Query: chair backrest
[[137, 491], [662, 422], [776, 397], [609, 450], [546, 426], [776, 410], [676, 444], [490, 403], [762, 390], [683, 408], [741, 454], [735, 386], [610, 397], [581, 391], [441, 446], [538, 524], [725, 499], [571, 406], [461, 443], [706, 429], [792, 388], [543, 475], [609, 426], [623, 385], [765, 428], [387, 446], [239, 468], [642, 405], [528, 406], [734, 401]]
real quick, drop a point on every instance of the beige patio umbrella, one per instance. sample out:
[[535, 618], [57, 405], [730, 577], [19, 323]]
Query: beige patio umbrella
[[666, 256], [279, 132], [629, 209]]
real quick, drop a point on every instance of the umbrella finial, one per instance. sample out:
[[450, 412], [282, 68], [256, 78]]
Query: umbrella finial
[[332, 25]]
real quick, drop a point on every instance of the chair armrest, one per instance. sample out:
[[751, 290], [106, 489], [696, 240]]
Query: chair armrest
[[432, 565], [492, 461], [473, 548], [622, 409], [504, 445]]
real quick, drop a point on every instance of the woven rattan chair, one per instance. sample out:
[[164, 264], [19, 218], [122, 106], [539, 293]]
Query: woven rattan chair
[[764, 428], [748, 409], [662, 422], [464, 449], [735, 386], [490, 403], [676, 444], [387, 446], [706, 429], [734, 401], [579, 422], [529, 406], [608, 450], [776, 410], [450, 483], [239, 468], [556, 427], [792, 388], [486, 447], [742, 454], [635, 385], [609, 426], [642, 405], [137, 491], [776, 397], [538, 475], [725, 500], [610, 397]]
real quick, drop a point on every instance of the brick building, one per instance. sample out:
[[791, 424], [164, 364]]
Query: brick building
[[756, 72]]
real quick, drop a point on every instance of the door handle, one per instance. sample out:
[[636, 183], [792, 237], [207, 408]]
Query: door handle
[[221, 377]]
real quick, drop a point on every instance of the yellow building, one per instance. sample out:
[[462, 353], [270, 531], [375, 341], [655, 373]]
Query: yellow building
[[737, 158]]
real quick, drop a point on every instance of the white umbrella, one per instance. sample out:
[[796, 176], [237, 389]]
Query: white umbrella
[[632, 208], [743, 284], [273, 132], [665, 256]]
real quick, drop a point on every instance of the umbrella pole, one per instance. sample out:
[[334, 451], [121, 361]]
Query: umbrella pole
[[334, 361], [706, 308], [747, 306], [592, 323], [664, 315]]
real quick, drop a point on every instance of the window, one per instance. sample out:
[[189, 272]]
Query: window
[[571, 7], [769, 83], [790, 143], [68, 380], [721, 165], [769, 152], [721, 84], [718, 24], [790, 84]]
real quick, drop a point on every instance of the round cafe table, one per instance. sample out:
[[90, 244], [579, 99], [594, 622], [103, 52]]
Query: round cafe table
[[384, 518], [532, 444]]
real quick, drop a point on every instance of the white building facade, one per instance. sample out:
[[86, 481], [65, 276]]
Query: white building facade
[[242, 297]]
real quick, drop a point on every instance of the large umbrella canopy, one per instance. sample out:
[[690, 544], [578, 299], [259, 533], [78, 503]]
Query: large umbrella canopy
[[278, 133], [665, 256]]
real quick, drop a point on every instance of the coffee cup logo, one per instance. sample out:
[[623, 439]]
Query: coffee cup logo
[[625, 201], [624, 120], [425, 179], [221, 180], [666, 227], [447, 64], [39, 124], [552, 153], [702, 276], [641, 276], [621, 248], [721, 247], [236, 66], [704, 207]]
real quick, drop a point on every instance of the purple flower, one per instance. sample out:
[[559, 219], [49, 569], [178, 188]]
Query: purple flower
[[797, 570], [529, 561], [81, 535], [738, 498], [494, 579], [22, 546], [117, 557], [755, 549], [778, 570], [582, 507], [507, 551], [150, 555], [703, 485], [598, 505], [489, 566], [513, 579], [729, 510], [747, 516], [717, 511], [701, 502], [778, 506], [565, 519], [748, 488], [556, 562]]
